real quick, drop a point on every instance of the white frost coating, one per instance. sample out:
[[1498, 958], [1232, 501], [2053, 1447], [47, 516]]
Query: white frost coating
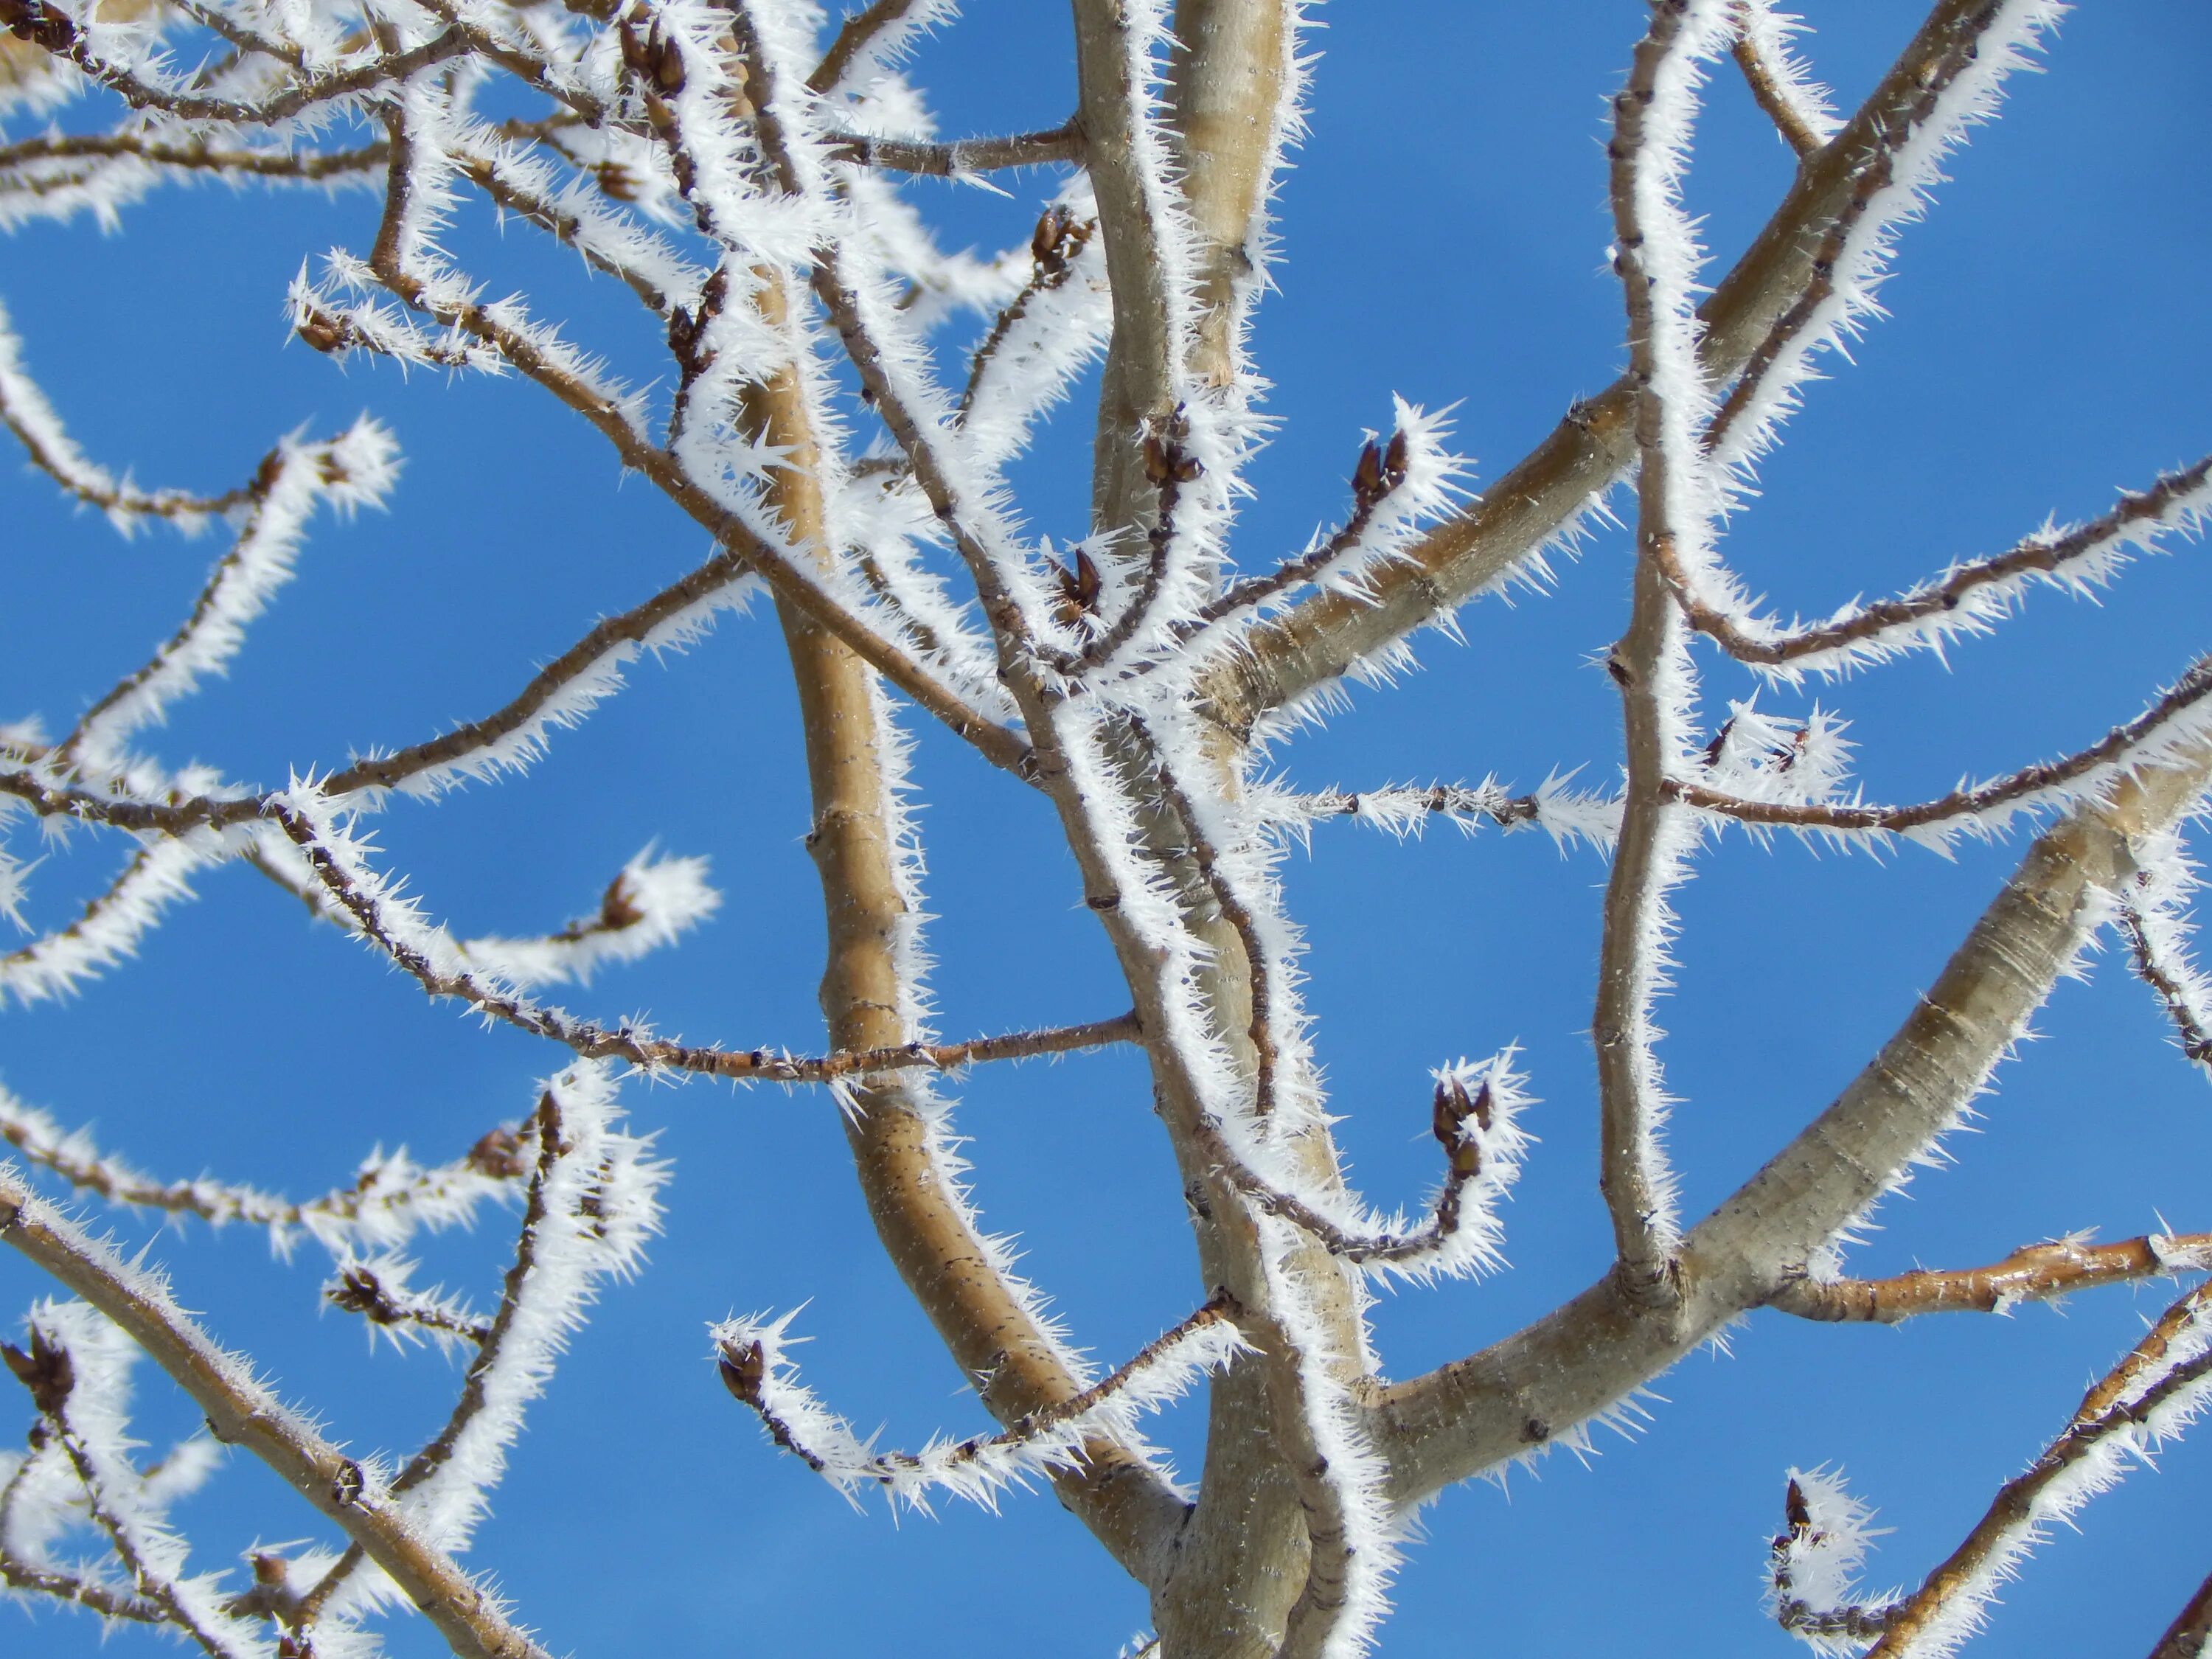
[[158, 875], [94, 1421], [593, 1204], [1570, 816], [380, 1289], [1355, 1472], [1476, 1244], [2159, 907], [1972, 97], [755, 1355], [1773, 34], [2090, 562], [25, 411], [1222, 432], [1670, 259], [1065, 323], [891, 42], [652, 902], [349, 471], [1429, 486], [2158, 1404], [390, 1198], [1815, 1566]]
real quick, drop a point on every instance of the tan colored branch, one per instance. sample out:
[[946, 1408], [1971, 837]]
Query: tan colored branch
[[241, 1413], [1632, 1175], [985, 1324], [2034, 1273], [1768, 90], [1136, 387]]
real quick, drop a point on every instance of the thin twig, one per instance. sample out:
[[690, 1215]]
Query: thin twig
[[2113, 748], [2115, 1407], [853, 38], [961, 156], [2135, 514], [2167, 980], [2034, 1273]]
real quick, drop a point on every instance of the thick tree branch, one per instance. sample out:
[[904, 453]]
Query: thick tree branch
[[1316, 641], [1595, 1350]]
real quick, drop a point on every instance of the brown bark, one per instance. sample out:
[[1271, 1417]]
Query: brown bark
[[1589, 1355], [990, 1335]]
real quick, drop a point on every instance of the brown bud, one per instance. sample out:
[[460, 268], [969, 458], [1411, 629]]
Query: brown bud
[[358, 1291], [1720, 741], [499, 1154], [744, 1368], [1797, 1511], [1393, 460], [1080, 586], [618, 907], [323, 332], [1158, 467], [45, 1370], [1367, 476], [669, 71], [269, 1569], [615, 182], [1448, 1121], [265, 475], [1048, 242]]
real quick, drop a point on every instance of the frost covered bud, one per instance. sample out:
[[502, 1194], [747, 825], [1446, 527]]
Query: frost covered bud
[[1053, 241], [1381, 470], [46, 1371], [499, 1154], [743, 1369], [326, 333], [1080, 586], [1797, 1512], [1454, 1106], [39, 24]]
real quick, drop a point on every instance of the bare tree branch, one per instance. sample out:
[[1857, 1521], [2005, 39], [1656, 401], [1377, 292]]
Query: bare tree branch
[[243, 1413], [2034, 1273]]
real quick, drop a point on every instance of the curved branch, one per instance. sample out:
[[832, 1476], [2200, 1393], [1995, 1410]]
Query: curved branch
[[1588, 1356], [2034, 1273], [1303, 649], [241, 1412]]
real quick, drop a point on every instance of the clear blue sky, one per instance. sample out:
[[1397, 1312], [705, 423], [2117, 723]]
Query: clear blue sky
[[1444, 229]]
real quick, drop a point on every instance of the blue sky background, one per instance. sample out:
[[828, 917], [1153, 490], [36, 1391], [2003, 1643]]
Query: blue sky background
[[1444, 231]]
